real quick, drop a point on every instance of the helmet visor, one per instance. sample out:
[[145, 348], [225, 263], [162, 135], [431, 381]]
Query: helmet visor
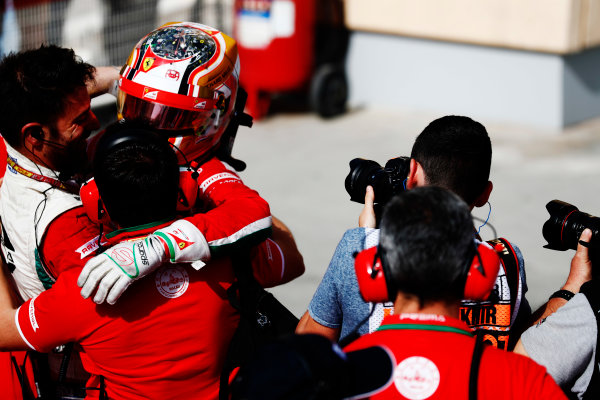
[[161, 116]]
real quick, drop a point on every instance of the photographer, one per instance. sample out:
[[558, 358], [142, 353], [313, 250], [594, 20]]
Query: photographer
[[565, 336], [453, 152], [436, 356]]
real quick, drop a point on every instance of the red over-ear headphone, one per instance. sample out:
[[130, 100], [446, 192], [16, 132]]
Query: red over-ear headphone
[[482, 272], [376, 284], [92, 203]]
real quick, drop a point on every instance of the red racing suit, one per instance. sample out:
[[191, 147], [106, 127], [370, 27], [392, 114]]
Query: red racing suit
[[432, 357], [167, 336]]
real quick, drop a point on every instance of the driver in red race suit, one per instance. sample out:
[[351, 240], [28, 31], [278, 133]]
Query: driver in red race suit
[[168, 335]]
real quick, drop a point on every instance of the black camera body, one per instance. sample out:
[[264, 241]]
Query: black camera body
[[565, 225], [386, 182]]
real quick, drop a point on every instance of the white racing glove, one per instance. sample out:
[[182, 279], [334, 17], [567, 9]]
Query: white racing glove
[[114, 270]]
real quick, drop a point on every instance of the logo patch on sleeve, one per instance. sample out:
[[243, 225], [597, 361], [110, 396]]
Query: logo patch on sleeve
[[216, 178], [88, 248], [32, 319], [181, 243]]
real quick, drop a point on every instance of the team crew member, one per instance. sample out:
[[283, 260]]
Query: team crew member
[[453, 152], [167, 336], [46, 116], [426, 262]]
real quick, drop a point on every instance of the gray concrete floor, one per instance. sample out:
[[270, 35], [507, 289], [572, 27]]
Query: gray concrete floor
[[298, 162]]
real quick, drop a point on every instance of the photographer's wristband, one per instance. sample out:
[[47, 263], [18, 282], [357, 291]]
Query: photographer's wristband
[[562, 294]]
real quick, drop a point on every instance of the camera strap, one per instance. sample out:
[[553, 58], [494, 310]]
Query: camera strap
[[591, 291], [495, 316], [511, 266]]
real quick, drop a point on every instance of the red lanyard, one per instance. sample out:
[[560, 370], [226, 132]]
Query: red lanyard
[[40, 178]]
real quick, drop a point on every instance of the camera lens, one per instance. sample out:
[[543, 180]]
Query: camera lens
[[386, 182], [565, 225], [362, 174]]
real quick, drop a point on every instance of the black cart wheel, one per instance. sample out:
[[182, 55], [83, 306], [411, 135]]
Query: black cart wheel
[[329, 91]]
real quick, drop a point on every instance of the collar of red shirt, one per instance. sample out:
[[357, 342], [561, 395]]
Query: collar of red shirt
[[426, 322]]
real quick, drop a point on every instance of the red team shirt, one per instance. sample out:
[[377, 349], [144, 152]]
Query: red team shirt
[[167, 336], [433, 358]]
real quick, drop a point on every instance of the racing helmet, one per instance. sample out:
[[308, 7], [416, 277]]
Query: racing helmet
[[182, 79]]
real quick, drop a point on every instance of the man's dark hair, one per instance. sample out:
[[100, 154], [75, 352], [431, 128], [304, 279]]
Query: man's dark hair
[[456, 153], [137, 174], [427, 240], [34, 86]]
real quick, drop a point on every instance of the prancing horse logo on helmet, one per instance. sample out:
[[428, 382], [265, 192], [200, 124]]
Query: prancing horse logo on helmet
[[147, 63]]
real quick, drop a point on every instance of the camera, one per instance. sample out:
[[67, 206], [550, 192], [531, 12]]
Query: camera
[[566, 222], [386, 182]]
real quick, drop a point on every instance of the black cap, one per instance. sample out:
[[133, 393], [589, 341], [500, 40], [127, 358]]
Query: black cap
[[312, 367]]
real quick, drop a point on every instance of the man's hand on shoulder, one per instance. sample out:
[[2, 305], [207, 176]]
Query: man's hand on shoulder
[[111, 272]]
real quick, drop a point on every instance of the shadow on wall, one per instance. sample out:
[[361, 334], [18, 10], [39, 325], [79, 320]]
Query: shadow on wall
[[581, 85]]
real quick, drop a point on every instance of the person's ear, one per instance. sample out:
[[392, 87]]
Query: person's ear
[[416, 175], [483, 198], [33, 133]]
